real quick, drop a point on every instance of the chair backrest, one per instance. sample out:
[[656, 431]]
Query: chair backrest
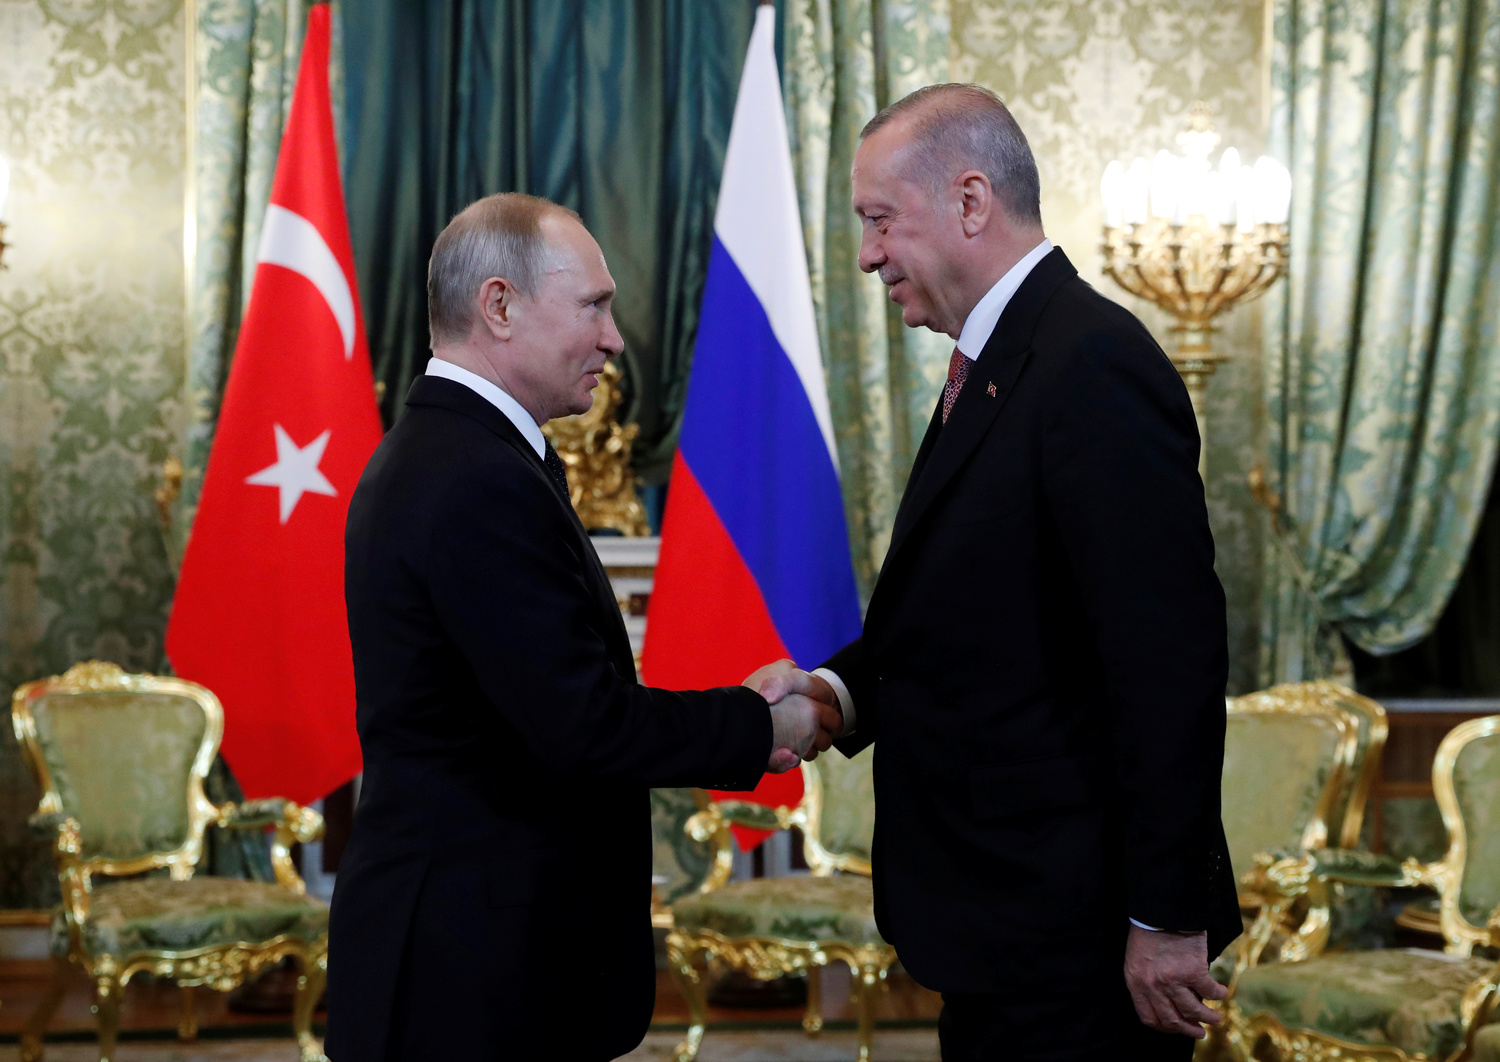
[[839, 803], [125, 755], [1347, 817], [1466, 782], [680, 863], [1288, 752]]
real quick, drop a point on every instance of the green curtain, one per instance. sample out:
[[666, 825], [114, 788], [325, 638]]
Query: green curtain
[[1382, 361], [843, 61], [247, 53], [619, 109]]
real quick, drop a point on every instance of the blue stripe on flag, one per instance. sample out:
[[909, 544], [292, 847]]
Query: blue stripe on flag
[[750, 437]]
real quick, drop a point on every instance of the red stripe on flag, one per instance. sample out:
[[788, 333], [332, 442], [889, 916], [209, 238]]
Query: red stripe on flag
[[708, 624]]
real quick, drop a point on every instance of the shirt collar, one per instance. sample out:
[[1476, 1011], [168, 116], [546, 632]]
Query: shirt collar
[[986, 313], [495, 396]]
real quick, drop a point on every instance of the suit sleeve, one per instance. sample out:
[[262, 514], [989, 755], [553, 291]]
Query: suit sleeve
[[511, 591], [1121, 484], [848, 665]]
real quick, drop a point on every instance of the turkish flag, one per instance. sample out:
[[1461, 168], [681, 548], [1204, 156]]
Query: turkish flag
[[259, 612]]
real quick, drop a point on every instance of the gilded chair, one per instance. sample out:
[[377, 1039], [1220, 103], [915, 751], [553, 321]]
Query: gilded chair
[[1390, 1005], [771, 927], [1292, 770], [682, 864], [120, 760]]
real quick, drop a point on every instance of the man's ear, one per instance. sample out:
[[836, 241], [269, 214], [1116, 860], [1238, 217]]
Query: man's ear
[[976, 202], [497, 301]]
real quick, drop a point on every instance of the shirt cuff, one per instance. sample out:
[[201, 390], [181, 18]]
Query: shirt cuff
[[846, 702], [1143, 925]]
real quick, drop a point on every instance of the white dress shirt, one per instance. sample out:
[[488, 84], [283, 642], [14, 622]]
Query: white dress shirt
[[496, 396], [978, 327]]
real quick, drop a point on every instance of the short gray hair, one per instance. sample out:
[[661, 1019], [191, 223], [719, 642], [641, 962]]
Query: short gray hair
[[960, 127], [497, 236]]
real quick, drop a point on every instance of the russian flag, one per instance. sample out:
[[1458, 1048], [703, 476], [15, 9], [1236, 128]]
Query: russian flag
[[754, 561]]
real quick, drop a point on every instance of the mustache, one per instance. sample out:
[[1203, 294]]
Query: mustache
[[889, 275]]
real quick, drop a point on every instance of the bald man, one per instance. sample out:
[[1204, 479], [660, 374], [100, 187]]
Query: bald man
[[497, 883]]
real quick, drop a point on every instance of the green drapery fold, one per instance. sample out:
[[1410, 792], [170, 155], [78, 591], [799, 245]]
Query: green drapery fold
[[247, 53], [619, 109], [844, 60], [1382, 360]]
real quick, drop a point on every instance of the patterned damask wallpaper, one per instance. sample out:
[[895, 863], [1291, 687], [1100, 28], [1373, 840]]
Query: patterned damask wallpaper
[[91, 350], [1093, 80]]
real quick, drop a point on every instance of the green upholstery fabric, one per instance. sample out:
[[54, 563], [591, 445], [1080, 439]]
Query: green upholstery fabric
[[158, 914], [121, 762], [1487, 1044], [1267, 809], [841, 907], [1356, 867], [1407, 998], [684, 862], [1476, 780], [848, 822]]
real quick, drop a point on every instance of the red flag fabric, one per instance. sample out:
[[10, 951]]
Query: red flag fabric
[[259, 613]]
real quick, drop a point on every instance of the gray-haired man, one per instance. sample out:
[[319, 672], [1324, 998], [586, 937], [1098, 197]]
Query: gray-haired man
[[499, 866]]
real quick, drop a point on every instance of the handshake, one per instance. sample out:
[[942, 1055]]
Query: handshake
[[805, 713]]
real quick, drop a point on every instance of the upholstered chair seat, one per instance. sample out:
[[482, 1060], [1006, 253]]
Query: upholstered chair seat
[[157, 914], [1407, 999], [798, 908]]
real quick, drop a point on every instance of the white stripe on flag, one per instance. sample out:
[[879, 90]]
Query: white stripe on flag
[[759, 223]]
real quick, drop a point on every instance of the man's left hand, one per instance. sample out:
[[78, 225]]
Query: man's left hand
[[1167, 974]]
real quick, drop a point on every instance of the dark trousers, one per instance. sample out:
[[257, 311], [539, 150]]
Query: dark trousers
[[1066, 1026]]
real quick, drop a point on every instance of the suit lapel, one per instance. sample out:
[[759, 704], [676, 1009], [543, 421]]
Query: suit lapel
[[991, 380], [449, 394]]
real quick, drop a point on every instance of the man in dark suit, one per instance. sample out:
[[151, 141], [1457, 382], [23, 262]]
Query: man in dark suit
[[1043, 660], [493, 902]]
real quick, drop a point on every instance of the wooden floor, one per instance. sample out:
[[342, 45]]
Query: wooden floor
[[151, 1009]]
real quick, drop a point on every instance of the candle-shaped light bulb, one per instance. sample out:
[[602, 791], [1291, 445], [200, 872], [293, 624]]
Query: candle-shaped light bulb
[[1164, 190], [1138, 192], [1229, 162], [1112, 189]]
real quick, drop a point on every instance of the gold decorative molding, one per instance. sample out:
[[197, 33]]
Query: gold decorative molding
[[596, 450]]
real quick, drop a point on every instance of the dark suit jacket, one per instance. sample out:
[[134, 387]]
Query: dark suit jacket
[[1043, 662], [498, 878]]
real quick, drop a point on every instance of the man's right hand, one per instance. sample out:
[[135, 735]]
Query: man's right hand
[[805, 714]]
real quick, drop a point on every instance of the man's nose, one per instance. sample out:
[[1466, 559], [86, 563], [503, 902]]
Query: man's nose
[[871, 256], [613, 344]]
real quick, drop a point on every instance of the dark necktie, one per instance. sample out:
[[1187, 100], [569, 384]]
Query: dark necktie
[[558, 471], [958, 372]]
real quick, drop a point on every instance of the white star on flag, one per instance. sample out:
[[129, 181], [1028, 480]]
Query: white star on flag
[[295, 471]]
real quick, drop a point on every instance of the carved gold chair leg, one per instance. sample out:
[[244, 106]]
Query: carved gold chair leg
[[812, 1021], [107, 993], [187, 1015], [866, 984], [32, 1048], [311, 979], [680, 955]]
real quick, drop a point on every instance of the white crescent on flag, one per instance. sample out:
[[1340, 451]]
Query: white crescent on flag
[[289, 240]]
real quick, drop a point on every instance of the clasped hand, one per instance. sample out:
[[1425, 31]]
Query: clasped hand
[[805, 713]]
